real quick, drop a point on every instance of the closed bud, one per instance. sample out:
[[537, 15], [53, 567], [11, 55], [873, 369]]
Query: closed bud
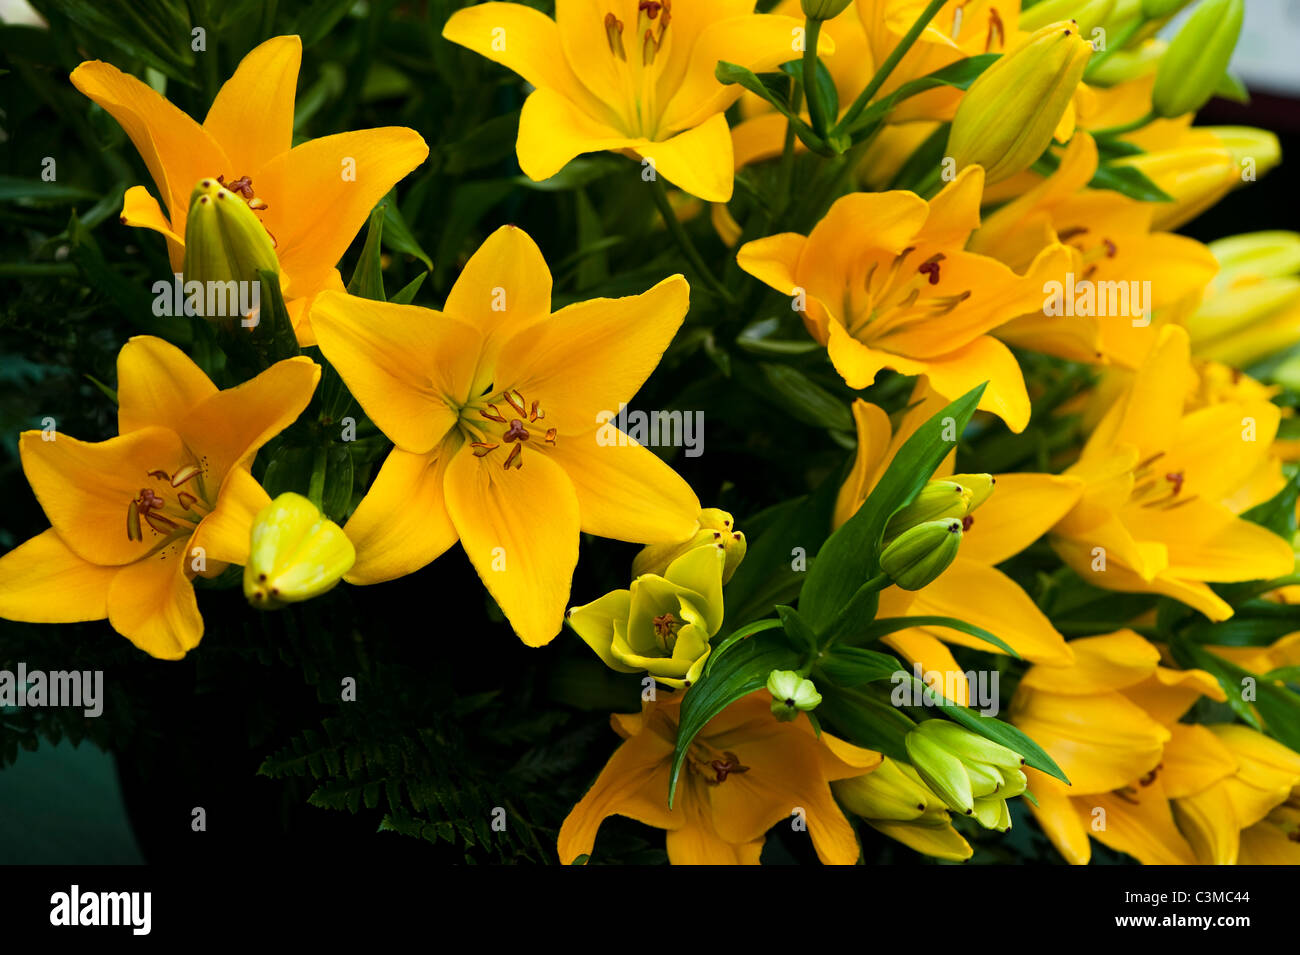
[[296, 553], [716, 529], [921, 553], [1162, 9], [971, 774], [892, 791], [791, 694], [1086, 13], [225, 241], [934, 502], [823, 9], [979, 486], [1010, 113], [1197, 58]]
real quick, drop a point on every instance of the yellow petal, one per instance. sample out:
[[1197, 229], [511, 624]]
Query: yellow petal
[[1112, 661], [1021, 509], [85, 488], [252, 116], [553, 130], [157, 384], [520, 529], [1206, 542], [228, 428], [410, 368], [1059, 817], [151, 603], [941, 842], [983, 360], [1194, 761], [626, 493], [634, 783], [225, 534], [697, 161], [141, 210], [918, 645], [1167, 694], [697, 842], [586, 360], [402, 522], [324, 191], [1139, 822], [873, 429], [177, 151], [955, 211], [505, 285], [43, 581], [1147, 416], [773, 260]]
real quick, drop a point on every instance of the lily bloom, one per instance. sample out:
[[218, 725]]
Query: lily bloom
[[635, 75], [884, 282], [1110, 721], [746, 771], [499, 413], [137, 517], [1163, 490], [1021, 509], [312, 198]]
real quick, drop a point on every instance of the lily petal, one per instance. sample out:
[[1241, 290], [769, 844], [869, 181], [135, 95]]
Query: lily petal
[[157, 385], [698, 160], [506, 282], [44, 581], [152, 604], [252, 116]]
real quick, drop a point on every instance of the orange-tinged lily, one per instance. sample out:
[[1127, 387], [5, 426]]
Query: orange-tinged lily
[[1110, 721], [1155, 516], [137, 517], [745, 772], [634, 75], [499, 412], [1021, 509], [312, 198], [884, 282]]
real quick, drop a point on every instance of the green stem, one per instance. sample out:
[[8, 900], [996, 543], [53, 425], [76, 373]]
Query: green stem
[[820, 121], [316, 489], [1123, 127], [683, 241], [887, 67]]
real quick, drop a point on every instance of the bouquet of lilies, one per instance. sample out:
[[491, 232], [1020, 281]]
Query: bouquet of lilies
[[1002, 523]]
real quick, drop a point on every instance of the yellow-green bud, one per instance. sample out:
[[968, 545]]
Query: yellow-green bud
[[296, 553], [716, 529], [791, 694], [225, 241], [892, 791], [980, 486], [1197, 57], [1247, 143], [921, 553], [823, 9], [1087, 13], [1009, 114], [1161, 9], [972, 775], [934, 502]]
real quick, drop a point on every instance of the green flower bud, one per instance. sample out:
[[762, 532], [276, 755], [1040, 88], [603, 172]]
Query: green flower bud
[[296, 553], [972, 775], [892, 791], [980, 487], [936, 501], [1197, 57], [1087, 13], [1162, 9], [791, 694], [1010, 113], [921, 553], [225, 241], [823, 9], [716, 529]]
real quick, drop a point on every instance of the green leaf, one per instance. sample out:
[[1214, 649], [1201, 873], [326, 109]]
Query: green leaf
[[1129, 181], [959, 75], [854, 666], [999, 732], [730, 73], [868, 720], [407, 293], [729, 641], [396, 234], [742, 671], [757, 338], [797, 630], [851, 556], [824, 89], [805, 399], [368, 277]]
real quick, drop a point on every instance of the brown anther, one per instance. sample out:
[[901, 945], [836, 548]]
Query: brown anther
[[1111, 248], [480, 448], [516, 401], [187, 500], [1127, 794], [550, 435], [513, 457], [534, 414], [187, 473], [1065, 235], [995, 29], [1176, 478], [160, 475], [494, 416], [966, 522], [614, 36]]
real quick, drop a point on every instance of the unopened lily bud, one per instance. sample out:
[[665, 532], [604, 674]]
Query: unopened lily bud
[[972, 775], [716, 529], [791, 694], [934, 502], [1086, 13], [225, 241], [1197, 57], [1010, 113], [823, 9], [1259, 146], [921, 553], [1162, 9], [296, 553], [979, 486], [892, 791]]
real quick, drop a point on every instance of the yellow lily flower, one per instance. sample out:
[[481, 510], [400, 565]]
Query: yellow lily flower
[[746, 771], [137, 517], [499, 410], [1021, 509], [312, 198], [1111, 240], [1155, 516], [1214, 818], [1110, 721], [884, 282], [1252, 309], [632, 75]]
